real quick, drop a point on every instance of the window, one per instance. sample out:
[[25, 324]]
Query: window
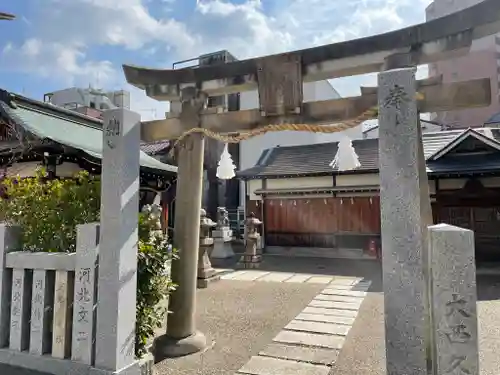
[[216, 101], [92, 105]]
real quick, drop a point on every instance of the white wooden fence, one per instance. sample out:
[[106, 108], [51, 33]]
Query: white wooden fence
[[48, 304]]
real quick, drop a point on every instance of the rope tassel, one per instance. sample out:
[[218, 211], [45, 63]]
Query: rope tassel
[[226, 167], [346, 158]]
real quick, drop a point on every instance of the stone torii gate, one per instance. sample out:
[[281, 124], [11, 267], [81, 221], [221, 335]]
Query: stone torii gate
[[279, 80]]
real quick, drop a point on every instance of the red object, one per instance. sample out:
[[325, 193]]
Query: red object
[[165, 215]]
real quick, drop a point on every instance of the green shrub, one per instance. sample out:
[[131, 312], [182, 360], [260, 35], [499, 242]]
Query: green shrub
[[153, 282], [49, 211]]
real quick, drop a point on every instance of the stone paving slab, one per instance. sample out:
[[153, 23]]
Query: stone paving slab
[[341, 292], [301, 353], [276, 277], [337, 298], [315, 336], [340, 286], [318, 327], [334, 305], [310, 339], [290, 277], [345, 281], [273, 366], [232, 275], [325, 318], [298, 278], [354, 287], [320, 279], [362, 284], [251, 275], [334, 312]]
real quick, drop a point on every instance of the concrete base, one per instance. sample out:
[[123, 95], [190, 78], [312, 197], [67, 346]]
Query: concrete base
[[206, 273], [224, 233], [249, 261], [222, 250], [144, 366], [168, 347], [27, 364], [203, 283]]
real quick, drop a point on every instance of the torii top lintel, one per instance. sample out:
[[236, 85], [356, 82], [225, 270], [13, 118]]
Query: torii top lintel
[[436, 40]]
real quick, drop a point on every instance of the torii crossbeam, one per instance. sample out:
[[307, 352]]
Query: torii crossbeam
[[279, 80]]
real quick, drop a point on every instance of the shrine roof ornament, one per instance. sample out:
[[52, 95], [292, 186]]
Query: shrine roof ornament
[[439, 39]]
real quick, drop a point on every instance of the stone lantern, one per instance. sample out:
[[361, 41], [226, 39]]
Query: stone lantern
[[250, 259], [205, 271]]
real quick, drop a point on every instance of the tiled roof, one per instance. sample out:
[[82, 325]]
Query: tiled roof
[[65, 127], [470, 163], [315, 159], [154, 148]]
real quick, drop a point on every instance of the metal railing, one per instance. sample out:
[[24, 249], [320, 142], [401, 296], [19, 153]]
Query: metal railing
[[237, 221]]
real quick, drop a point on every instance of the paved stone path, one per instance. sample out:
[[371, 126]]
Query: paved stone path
[[311, 342], [286, 277]]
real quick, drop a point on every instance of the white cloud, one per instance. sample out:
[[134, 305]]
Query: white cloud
[[51, 59], [65, 32]]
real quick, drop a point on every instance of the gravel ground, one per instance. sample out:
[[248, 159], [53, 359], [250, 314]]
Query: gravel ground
[[9, 370], [242, 318], [364, 351]]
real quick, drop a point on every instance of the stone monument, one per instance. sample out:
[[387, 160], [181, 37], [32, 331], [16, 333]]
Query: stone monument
[[206, 273], [428, 271], [222, 236], [454, 327], [117, 280], [250, 259], [403, 230]]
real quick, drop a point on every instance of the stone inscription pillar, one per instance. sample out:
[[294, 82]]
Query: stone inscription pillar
[[404, 242]]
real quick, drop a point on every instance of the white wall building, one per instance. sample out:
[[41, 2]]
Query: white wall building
[[373, 131], [88, 101]]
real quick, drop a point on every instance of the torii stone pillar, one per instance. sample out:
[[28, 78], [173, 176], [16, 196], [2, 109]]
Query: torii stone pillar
[[181, 337]]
